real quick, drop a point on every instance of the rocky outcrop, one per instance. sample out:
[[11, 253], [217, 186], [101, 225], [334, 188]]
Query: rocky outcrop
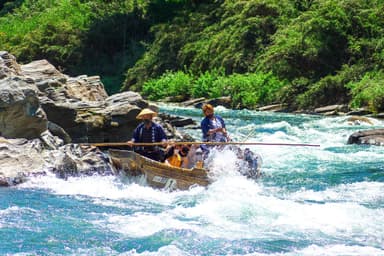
[[19, 158], [22, 158], [81, 106], [8, 65], [20, 113], [274, 108], [369, 137], [332, 110], [45, 114]]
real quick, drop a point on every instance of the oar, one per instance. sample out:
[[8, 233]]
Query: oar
[[116, 144]]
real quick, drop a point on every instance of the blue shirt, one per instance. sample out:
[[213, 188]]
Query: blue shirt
[[207, 124], [154, 134]]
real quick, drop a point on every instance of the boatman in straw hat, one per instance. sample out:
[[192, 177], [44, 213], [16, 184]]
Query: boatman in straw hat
[[148, 132]]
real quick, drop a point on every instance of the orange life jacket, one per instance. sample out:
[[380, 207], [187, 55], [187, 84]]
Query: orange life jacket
[[175, 160]]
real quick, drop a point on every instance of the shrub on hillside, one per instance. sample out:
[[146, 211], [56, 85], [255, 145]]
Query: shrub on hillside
[[169, 84], [246, 90], [369, 91]]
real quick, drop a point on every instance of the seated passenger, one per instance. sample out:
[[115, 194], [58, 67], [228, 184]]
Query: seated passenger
[[194, 158], [172, 156], [184, 151]]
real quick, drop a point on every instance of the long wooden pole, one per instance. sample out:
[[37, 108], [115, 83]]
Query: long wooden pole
[[116, 144]]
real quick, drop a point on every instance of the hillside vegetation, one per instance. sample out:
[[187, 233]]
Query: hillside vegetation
[[304, 53]]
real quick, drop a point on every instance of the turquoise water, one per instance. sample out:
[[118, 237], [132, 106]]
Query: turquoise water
[[327, 200]]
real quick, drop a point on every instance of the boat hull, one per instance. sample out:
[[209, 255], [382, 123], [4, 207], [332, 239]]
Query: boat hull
[[157, 175]]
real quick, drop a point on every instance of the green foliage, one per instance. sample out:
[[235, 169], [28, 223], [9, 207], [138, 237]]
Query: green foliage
[[169, 84], [246, 90], [205, 86], [253, 89], [227, 35], [45, 29], [369, 91], [330, 89], [8, 6], [242, 48], [91, 37], [313, 45], [325, 92]]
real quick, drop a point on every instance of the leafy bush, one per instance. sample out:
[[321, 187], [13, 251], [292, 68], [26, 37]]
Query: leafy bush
[[204, 85], [246, 90], [45, 29], [224, 47], [82, 37], [254, 89], [169, 84], [369, 91], [329, 90]]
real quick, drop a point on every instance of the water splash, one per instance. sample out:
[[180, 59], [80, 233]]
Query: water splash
[[310, 201]]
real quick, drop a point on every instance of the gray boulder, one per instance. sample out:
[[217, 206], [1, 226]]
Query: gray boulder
[[21, 115], [46, 114], [79, 109], [368, 137], [22, 158], [19, 158], [8, 65]]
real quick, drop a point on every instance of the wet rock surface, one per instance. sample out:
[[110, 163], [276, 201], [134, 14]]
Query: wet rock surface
[[47, 119], [368, 137]]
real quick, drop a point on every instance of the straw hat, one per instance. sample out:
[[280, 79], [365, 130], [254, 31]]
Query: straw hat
[[146, 111]]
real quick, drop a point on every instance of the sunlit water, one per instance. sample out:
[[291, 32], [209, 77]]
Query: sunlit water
[[326, 200]]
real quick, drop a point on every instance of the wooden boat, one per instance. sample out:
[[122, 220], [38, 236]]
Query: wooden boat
[[157, 174]]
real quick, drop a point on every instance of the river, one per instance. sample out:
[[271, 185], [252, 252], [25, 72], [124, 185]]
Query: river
[[326, 200]]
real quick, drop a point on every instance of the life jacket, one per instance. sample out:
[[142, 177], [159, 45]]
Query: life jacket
[[175, 160]]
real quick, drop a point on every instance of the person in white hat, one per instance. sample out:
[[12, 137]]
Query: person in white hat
[[148, 132]]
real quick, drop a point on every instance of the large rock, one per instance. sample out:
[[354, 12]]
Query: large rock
[[332, 110], [21, 159], [358, 120], [8, 65], [81, 106], [42, 112], [41, 70], [78, 160], [20, 112], [78, 108], [370, 137]]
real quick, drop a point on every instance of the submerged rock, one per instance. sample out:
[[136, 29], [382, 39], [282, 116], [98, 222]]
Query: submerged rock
[[358, 120], [369, 137]]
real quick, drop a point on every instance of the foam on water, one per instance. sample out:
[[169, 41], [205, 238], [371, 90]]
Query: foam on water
[[337, 249], [325, 200]]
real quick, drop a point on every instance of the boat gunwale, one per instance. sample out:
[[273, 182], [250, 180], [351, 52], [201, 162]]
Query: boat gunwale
[[145, 165]]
